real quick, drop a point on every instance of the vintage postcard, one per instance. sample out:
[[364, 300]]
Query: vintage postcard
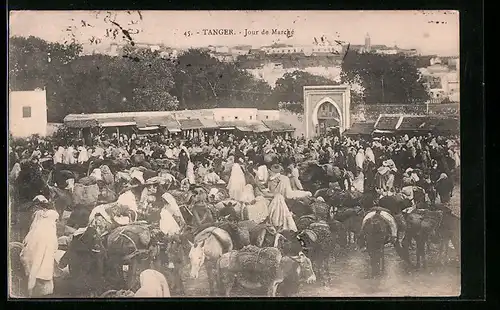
[[234, 153]]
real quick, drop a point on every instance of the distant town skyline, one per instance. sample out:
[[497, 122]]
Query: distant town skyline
[[430, 32]]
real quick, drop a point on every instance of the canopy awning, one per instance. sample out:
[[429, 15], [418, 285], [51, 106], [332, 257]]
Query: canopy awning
[[173, 130], [116, 124], [83, 123], [278, 126], [149, 128], [415, 123], [118, 121], [361, 128], [209, 123], [162, 121], [383, 131], [187, 124], [259, 127], [244, 128], [386, 122], [228, 125], [240, 125]]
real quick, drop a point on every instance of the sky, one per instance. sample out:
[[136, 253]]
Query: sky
[[431, 32]]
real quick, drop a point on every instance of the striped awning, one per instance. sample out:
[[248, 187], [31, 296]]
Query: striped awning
[[193, 123]]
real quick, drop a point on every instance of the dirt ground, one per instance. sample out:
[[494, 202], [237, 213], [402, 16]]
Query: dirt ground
[[349, 276]]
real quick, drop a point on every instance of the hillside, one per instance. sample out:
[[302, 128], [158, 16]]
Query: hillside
[[272, 72]]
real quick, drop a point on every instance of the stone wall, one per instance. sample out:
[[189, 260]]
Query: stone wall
[[371, 112]]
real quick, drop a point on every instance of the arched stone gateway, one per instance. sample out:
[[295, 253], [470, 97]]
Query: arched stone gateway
[[326, 106]]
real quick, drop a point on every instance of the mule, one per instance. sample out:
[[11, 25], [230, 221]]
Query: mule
[[422, 226], [207, 248], [319, 246], [85, 259], [282, 276], [375, 232]]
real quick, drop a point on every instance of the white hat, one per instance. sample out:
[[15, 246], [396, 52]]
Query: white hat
[[40, 198], [442, 176], [169, 198], [407, 192], [96, 173], [70, 183], [320, 199], [122, 220], [138, 175]]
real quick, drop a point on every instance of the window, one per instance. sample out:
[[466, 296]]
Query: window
[[250, 117], [267, 116], [222, 118], [330, 108], [26, 112], [236, 117]]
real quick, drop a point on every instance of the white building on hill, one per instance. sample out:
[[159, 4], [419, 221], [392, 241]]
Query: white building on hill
[[28, 113]]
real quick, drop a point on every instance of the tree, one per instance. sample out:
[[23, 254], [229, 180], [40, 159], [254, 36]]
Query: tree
[[35, 63], [154, 81], [90, 83], [384, 78], [290, 88], [202, 81]]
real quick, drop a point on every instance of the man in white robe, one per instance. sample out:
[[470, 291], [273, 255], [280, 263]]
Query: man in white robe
[[40, 246], [280, 184], [83, 155], [237, 183], [279, 214], [190, 173], [58, 155], [153, 285]]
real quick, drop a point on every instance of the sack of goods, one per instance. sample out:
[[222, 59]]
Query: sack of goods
[[257, 263]]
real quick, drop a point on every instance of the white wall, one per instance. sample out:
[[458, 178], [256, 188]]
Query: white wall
[[20, 126], [294, 119], [268, 115], [235, 114], [192, 114]]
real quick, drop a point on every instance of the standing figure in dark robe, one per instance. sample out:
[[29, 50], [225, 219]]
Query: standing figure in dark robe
[[183, 162], [444, 188]]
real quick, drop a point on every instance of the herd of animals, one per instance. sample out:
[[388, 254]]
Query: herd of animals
[[235, 251]]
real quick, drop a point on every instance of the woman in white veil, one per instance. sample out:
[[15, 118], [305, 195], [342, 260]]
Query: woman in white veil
[[237, 183]]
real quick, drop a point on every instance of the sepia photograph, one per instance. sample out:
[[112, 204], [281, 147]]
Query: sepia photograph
[[182, 154]]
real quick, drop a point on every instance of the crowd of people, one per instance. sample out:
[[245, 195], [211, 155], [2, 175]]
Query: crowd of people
[[257, 170]]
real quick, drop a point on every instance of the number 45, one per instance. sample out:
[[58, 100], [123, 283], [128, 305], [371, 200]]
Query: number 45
[[188, 33]]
